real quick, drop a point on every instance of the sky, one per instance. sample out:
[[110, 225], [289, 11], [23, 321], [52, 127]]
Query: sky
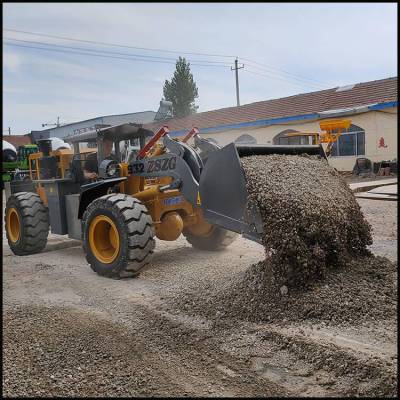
[[286, 49]]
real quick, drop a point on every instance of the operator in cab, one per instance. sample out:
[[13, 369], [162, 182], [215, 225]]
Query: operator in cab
[[91, 167]]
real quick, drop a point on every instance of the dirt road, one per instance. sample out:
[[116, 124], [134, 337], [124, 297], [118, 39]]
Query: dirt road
[[70, 332]]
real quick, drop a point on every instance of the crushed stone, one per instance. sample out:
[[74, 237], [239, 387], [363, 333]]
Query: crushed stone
[[311, 218], [317, 267]]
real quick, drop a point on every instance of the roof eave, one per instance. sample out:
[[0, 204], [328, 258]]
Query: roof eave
[[293, 118]]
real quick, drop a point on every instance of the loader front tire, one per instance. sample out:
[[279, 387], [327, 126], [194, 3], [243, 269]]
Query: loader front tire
[[27, 223], [118, 236], [217, 239]]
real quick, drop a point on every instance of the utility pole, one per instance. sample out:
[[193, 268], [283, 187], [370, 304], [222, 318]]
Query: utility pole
[[7, 130], [236, 69], [57, 124]]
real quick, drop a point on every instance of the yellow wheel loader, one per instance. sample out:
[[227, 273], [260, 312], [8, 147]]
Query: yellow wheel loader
[[169, 188]]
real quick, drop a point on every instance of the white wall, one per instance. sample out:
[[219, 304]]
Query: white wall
[[376, 124]]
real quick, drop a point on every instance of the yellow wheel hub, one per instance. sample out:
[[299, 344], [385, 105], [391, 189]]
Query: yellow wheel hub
[[104, 239], [13, 225]]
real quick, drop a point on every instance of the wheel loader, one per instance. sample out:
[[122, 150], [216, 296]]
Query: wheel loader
[[169, 188]]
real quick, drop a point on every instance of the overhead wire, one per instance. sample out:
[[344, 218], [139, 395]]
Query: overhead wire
[[269, 68], [257, 64], [112, 52], [269, 72], [106, 56], [304, 84], [118, 45]]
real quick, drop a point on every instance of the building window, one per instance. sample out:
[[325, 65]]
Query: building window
[[350, 143], [246, 139], [283, 139]]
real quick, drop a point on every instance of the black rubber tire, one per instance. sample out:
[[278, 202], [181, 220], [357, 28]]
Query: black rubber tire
[[219, 239], [34, 223], [136, 232]]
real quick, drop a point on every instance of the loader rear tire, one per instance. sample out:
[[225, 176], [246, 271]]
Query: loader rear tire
[[27, 223], [217, 239], [118, 236]]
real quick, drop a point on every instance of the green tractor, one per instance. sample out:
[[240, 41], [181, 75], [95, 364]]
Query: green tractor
[[17, 166]]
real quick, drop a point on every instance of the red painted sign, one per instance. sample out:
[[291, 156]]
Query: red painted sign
[[382, 142]]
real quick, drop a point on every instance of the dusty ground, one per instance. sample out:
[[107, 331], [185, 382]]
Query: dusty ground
[[350, 178], [70, 332]]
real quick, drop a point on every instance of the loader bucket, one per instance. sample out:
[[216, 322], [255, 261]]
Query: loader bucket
[[222, 187]]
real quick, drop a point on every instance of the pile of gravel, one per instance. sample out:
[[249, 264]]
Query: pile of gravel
[[361, 292], [317, 266], [311, 218]]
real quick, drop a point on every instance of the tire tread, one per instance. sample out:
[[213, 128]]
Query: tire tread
[[140, 233], [34, 219]]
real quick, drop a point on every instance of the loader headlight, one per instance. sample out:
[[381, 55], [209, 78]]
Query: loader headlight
[[108, 169]]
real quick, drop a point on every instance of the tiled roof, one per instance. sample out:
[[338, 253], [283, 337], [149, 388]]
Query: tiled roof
[[17, 140], [366, 93]]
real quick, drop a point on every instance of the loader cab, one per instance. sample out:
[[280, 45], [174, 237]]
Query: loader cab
[[94, 142]]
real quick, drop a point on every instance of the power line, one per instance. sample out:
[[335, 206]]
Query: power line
[[106, 56], [281, 79], [304, 81], [143, 60], [135, 57], [113, 52], [269, 68], [117, 45], [285, 72], [53, 47]]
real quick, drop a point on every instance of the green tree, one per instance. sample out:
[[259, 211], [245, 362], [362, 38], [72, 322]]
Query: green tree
[[181, 90]]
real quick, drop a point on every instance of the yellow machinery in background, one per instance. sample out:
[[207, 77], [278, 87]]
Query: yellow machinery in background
[[330, 132]]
